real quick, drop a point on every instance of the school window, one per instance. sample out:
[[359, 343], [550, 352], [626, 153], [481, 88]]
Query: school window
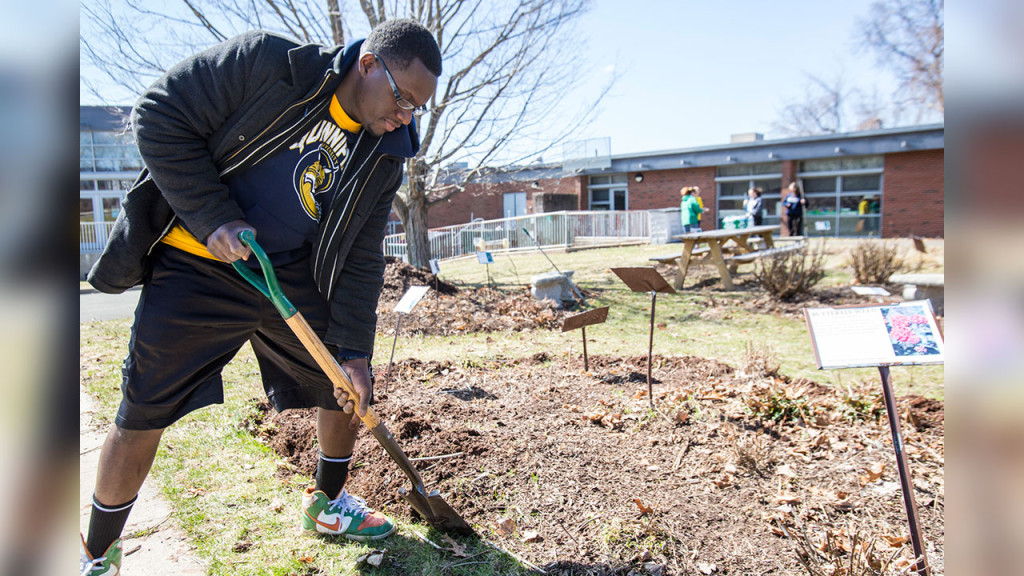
[[106, 151], [608, 192], [844, 196], [733, 183]]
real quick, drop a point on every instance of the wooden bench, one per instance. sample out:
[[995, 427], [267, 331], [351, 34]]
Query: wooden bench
[[751, 256], [672, 258]]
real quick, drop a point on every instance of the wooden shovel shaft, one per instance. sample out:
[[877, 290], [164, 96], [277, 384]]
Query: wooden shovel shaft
[[329, 365]]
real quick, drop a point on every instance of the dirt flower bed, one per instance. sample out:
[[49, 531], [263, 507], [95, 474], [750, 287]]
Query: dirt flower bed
[[572, 471], [447, 309]]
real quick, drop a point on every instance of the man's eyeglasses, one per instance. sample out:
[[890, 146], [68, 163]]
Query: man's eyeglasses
[[399, 99]]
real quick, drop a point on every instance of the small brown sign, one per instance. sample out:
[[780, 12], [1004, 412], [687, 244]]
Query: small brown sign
[[643, 279], [595, 316]]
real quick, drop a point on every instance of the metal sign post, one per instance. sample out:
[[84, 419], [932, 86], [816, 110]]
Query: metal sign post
[[486, 259], [581, 321], [409, 300], [904, 334], [906, 485], [646, 279]]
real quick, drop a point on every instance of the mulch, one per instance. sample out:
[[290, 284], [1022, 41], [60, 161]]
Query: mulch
[[738, 471]]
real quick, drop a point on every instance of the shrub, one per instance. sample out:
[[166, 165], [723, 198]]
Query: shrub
[[778, 403], [791, 274], [874, 261], [761, 361]]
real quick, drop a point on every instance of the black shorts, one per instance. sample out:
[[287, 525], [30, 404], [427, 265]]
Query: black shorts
[[194, 315]]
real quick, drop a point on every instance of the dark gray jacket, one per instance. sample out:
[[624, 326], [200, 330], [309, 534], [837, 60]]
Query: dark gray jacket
[[227, 108]]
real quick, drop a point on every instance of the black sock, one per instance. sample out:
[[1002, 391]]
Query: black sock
[[331, 474], [106, 524]]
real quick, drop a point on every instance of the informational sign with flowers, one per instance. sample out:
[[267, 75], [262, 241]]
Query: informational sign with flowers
[[909, 331], [888, 335]]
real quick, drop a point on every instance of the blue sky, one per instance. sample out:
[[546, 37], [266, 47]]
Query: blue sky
[[692, 73]]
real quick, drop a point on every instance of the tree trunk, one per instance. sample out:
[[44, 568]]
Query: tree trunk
[[334, 15], [416, 237], [413, 212]]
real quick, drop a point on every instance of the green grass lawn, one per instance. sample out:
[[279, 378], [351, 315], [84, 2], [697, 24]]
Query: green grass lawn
[[681, 328], [242, 518]]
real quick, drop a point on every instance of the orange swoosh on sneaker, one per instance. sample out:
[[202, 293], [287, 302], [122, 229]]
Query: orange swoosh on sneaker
[[334, 527]]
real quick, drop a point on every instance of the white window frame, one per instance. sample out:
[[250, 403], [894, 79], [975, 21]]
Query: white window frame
[[617, 183], [751, 181], [834, 222]]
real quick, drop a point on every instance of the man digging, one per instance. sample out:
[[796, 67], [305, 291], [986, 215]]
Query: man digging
[[303, 145]]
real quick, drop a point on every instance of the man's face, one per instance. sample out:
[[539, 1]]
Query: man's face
[[380, 112]]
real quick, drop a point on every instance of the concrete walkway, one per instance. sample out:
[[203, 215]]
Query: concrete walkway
[[162, 549]]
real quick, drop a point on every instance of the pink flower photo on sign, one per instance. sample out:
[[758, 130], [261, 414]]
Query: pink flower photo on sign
[[909, 331]]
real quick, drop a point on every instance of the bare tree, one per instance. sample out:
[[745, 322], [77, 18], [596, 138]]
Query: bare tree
[[508, 64], [132, 42], [822, 110], [908, 36]]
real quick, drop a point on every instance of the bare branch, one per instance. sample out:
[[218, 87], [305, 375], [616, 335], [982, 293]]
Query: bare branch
[[494, 102], [337, 31], [908, 36], [204, 21]]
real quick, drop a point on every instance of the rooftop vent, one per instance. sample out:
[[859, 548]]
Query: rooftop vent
[[746, 137]]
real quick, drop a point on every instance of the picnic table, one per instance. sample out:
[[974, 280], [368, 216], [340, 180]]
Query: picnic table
[[726, 249]]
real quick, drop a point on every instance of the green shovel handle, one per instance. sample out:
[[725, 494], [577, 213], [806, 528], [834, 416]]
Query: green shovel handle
[[268, 286]]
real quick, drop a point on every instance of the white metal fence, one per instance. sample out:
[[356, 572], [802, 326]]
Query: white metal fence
[[549, 229], [93, 236]]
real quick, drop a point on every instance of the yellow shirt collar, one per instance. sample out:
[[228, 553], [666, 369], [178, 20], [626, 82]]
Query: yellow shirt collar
[[341, 118]]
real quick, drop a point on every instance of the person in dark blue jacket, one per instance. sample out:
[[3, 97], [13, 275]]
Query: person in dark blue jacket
[[304, 145], [793, 206]]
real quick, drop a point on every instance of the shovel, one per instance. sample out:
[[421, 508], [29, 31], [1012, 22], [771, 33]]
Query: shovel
[[430, 506]]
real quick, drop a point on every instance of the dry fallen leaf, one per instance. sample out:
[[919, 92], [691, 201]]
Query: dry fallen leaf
[[504, 526], [616, 419], [724, 482], [643, 509], [456, 548], [531, 536], [706, 568], [787, 498], [895, 541], [373, 557], [785, 509], [874, 473], [682, 416], [785, 470], [242, 546]]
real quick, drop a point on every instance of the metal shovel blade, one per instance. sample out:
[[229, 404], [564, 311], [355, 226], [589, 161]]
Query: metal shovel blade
[[436, 511], [430, 506]]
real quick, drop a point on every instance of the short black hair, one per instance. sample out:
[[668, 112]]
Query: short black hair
[[403, 40]]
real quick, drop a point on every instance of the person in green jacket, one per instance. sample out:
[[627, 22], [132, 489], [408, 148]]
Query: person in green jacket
[[690, 210]]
